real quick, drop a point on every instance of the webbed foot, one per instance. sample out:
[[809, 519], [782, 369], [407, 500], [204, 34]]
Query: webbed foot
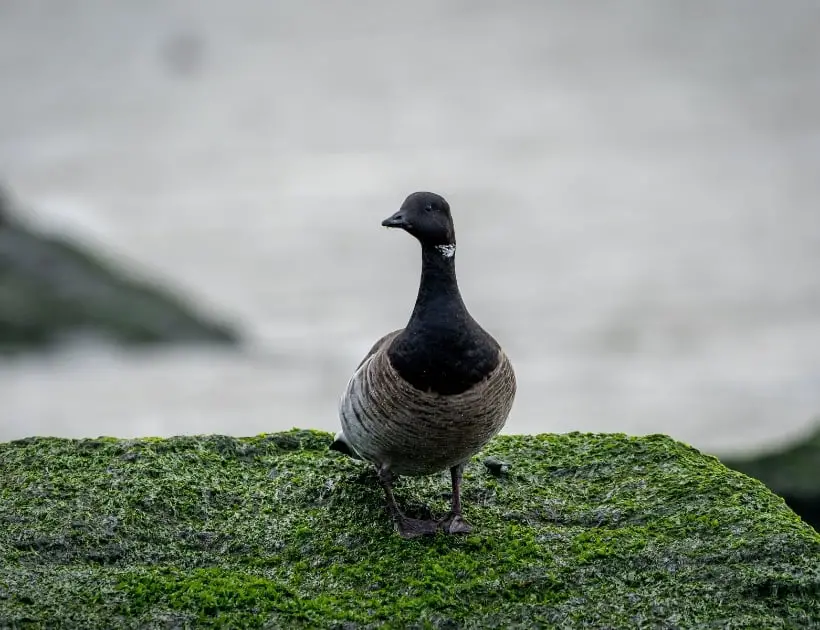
[[406, 527], [455, 524], [413, 527]]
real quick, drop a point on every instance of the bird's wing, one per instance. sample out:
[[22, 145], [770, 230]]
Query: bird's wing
[[381, 343]]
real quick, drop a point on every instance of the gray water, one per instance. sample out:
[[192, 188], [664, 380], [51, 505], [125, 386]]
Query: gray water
[[634, 184]]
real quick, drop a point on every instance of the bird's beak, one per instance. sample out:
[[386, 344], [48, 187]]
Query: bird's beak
[[396, 221]]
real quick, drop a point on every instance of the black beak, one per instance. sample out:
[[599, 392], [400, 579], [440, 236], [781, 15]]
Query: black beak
[[396, 221]]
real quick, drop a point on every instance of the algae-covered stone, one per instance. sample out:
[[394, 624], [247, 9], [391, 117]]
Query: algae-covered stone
[[601, 531], [52, 288], [792, 472]]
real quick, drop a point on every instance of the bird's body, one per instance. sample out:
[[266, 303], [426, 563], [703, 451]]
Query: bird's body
[[386, 420], [429, 396]]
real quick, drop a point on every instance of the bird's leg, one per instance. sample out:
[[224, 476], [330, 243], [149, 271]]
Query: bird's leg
[[454, 523], [407, 527]]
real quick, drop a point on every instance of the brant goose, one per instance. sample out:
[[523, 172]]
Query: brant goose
[[429, 396]]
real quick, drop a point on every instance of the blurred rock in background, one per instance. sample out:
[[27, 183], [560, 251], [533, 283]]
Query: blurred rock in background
[[53, 289], [792, 472]]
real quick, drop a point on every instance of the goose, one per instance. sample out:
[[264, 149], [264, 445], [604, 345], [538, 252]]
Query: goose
[[429, 396]]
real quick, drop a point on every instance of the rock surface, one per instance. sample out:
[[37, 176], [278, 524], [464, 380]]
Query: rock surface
[[792, 472], [583, 530], [52, 289]]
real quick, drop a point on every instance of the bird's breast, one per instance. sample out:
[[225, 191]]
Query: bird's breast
[[388, 420]]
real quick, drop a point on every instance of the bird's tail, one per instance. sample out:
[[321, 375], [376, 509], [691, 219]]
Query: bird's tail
[[341, 444]]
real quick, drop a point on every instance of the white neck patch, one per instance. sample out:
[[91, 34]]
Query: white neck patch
[[448, 251]]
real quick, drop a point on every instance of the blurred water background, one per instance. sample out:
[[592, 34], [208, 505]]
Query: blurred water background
[[634, 185]]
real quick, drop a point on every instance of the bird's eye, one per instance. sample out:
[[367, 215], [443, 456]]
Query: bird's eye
[[428, 208]]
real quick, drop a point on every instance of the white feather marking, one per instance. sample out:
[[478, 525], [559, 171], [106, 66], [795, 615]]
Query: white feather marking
[[448, 251]]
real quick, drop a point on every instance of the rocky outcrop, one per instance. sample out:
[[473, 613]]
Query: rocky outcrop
[[793, 472], [275, 531], [52, 289]]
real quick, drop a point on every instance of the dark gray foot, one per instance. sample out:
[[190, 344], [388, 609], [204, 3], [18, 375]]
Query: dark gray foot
[[413, 528], [455, 524], [407, 527]]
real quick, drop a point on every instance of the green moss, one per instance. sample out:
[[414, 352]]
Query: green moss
[[276, 531]]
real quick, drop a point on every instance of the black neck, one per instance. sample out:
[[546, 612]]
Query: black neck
[[438, 288], [442, 349]]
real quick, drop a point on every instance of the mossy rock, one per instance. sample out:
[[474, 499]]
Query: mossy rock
[[275, 531], [52, 289], [793, 472]]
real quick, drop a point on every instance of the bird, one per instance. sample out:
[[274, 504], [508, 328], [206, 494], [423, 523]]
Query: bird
[[429, 396]]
